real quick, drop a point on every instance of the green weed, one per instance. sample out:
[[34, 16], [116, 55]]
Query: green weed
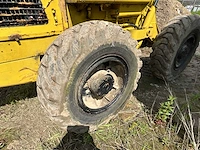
[[166, 109]]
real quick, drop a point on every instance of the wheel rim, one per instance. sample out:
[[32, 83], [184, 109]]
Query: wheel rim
[[102, 84], [186, 51]]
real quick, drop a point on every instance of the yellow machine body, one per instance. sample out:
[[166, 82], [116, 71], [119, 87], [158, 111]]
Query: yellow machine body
[[23, 44]]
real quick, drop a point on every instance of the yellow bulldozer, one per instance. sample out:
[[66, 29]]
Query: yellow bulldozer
[[85, 54]]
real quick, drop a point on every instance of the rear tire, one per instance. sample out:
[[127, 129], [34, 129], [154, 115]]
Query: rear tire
[[88, 73], [174, 47]]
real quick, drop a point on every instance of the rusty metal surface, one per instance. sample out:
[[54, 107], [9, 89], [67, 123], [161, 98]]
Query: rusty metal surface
[[20, 13]]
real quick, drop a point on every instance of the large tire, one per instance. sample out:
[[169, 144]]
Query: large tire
[[88, 73], [174, 47]]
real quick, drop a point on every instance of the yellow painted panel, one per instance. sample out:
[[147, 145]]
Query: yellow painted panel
[[19, 72], [11, 51], [137, 34], [142, 33], [148, 27]]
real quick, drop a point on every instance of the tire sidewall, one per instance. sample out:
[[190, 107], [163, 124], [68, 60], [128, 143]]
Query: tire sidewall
[[194, 27], [166, 60]]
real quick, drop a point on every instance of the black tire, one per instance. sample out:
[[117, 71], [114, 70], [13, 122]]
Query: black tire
[[174, 47], [85, 64]]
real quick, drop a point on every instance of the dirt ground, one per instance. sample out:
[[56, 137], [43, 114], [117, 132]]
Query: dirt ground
[[25, 126]]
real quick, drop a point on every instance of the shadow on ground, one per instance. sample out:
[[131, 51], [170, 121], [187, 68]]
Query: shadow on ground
[[151, 91], [186, 88], [15, 93], [77, 138]]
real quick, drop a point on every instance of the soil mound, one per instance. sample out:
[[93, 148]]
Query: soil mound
[[168, 9]]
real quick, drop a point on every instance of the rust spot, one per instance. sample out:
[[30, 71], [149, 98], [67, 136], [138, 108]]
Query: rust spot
[[15, 37]]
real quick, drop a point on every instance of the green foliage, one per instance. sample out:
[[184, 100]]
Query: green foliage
[[138, 127], [196, 12], [166, 109]]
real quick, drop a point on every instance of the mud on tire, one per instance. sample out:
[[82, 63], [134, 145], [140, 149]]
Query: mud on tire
[[174, 47], [88, 73]]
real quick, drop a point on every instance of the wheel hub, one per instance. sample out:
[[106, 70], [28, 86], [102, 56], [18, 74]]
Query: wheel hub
[[100, 84], [101, 89], [182, 56], [186, 51]]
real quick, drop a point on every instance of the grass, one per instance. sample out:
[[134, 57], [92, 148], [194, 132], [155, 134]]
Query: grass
[[7, 136], [196, 12], [132, 134], [190, 123], [52, 141], [129, 133], [141, 133], [144, 133]]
